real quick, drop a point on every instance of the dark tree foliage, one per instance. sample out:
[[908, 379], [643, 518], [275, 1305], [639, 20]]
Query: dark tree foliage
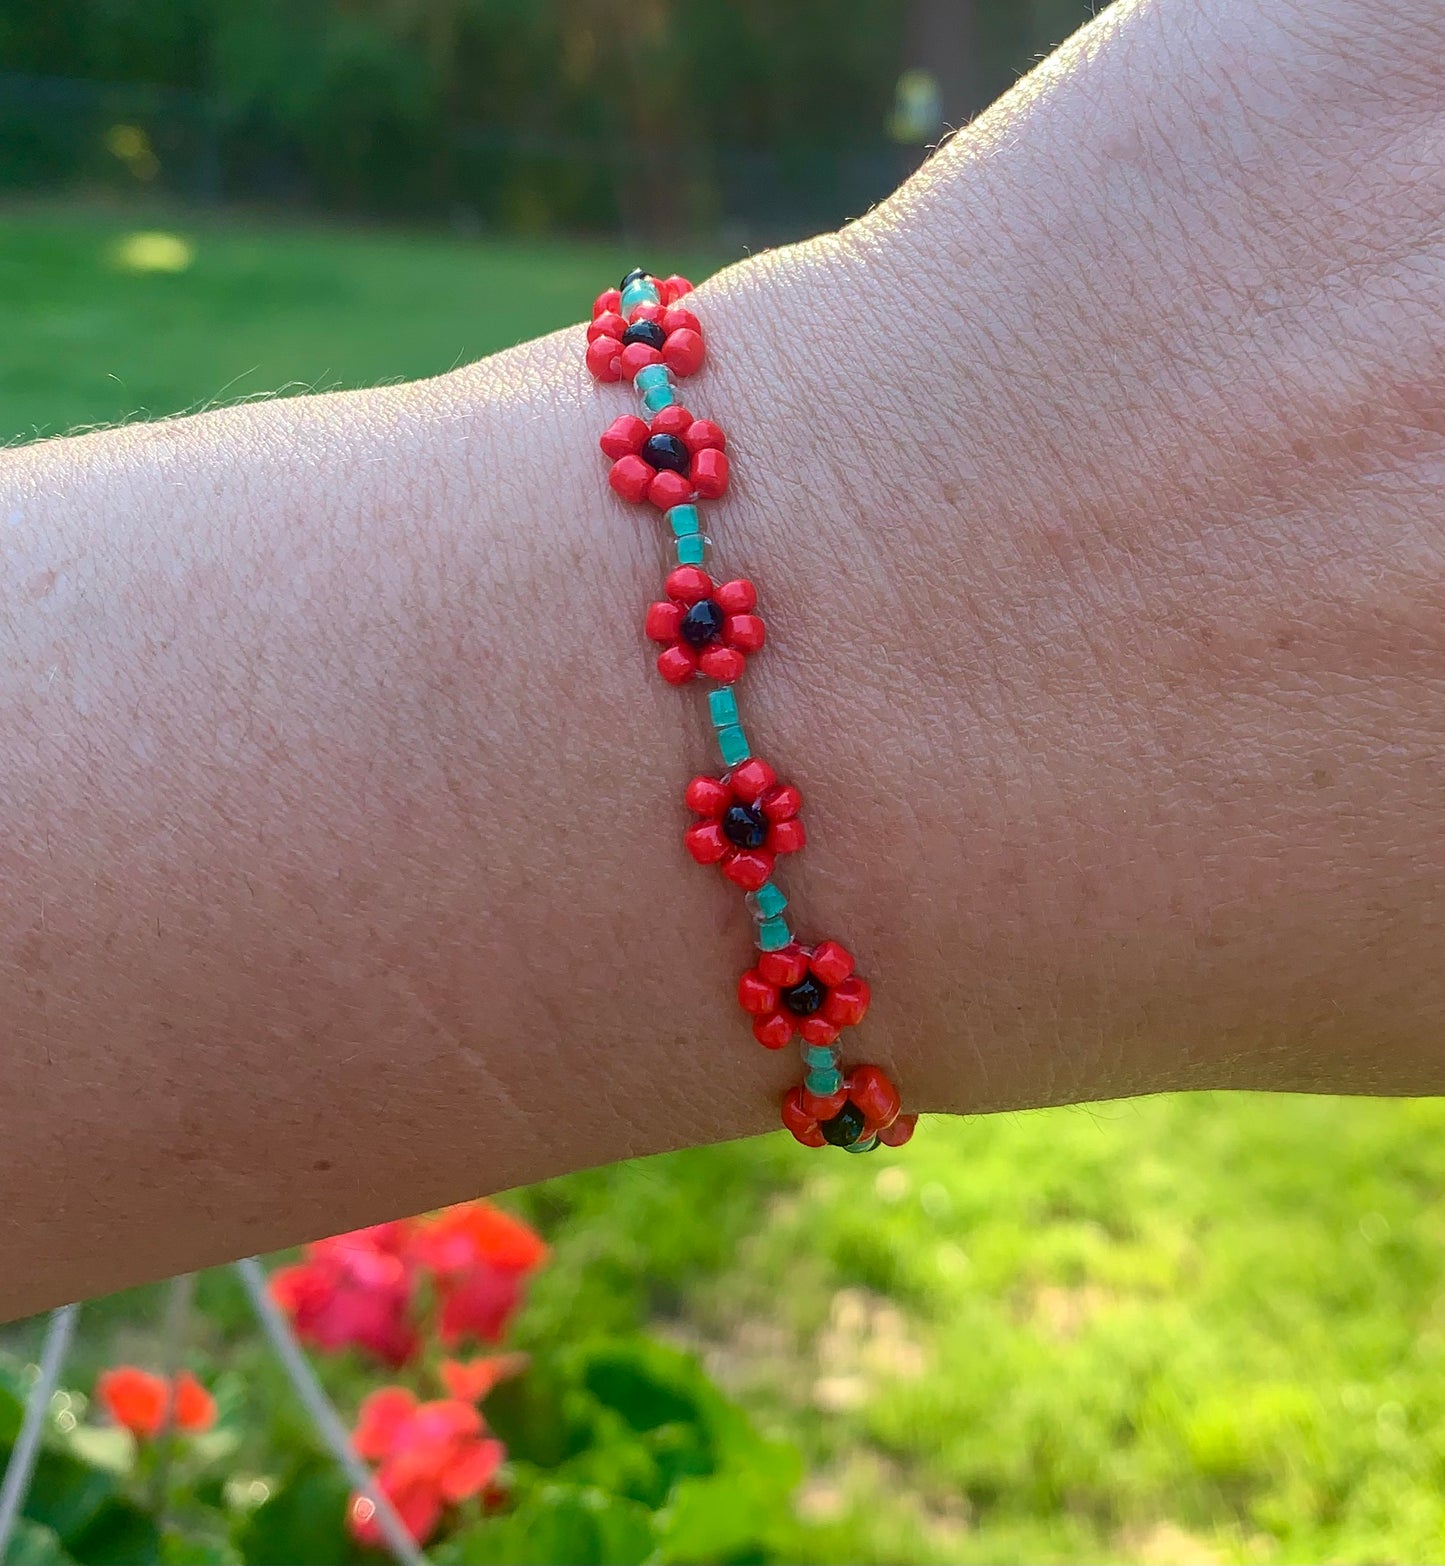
[[529, 116]]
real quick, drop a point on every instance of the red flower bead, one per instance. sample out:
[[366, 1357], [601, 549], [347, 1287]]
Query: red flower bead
[[702, 434], [709, 472], [624, 436], [811, 991], [675, 420], [822, 1109], [741, 814], [700, 634], [608, 324], [635, 357], [676, 319], [682, 351], [636, 476], [874, 1094], [603, 354], [773, 1031], [899, 1132], [797, 1119], [610, 359], [874, 1112]]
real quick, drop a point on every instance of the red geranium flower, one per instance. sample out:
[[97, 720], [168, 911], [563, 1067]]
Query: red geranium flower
[[673, 459], [865, 1108], [138, 1400], [470, 1380], [749, 818], [480, 1257], [812, 991], [430, 1456], [706, 629], [354, 1291]]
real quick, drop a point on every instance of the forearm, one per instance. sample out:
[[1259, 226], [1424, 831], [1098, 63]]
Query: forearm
[[339, 857], [342, 858]]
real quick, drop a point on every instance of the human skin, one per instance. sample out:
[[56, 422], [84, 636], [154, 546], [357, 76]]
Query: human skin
[[1093, 486]]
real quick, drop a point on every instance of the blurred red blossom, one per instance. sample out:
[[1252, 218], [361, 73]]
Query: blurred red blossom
[[480, 1258], [359, 1290], [429, 1456], [471, 1379], [138, 1400], [354, 1291], [374, 1289]]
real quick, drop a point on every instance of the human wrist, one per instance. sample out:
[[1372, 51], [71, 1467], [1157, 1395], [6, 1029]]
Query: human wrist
[[1040, 451]]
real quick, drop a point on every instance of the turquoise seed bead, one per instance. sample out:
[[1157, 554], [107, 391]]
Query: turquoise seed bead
[[692, 550], [769, 900], [820, 1057], [774, 934], [683, 520], [656, 398], [651, 375], [641, 290], [824, 1084], [722, 707], [862, 1147], [733, 744]]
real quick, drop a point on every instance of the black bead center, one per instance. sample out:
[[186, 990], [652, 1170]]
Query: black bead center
[[805, 998], [745, 827], [648, 332], [845, 1127], [633, 275], [666, 451], [701, 624]]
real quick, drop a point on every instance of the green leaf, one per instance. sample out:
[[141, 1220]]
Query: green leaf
[[725, 1517], [680, 1452], [555, 1525], [120, 1534], [190, 1549], [626, 1530], [12, 1411], [647, 1383], [66, 1494], [104, 1446], [485, 1543], [538, 1418], [303, 1523], [32, 1544], [621, 1461], [558, 1525]]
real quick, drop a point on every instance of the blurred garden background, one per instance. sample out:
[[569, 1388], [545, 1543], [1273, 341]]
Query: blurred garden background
[[1204, 1328]]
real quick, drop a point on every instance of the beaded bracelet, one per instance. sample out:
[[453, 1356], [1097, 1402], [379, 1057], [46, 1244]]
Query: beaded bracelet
[[745, 819]]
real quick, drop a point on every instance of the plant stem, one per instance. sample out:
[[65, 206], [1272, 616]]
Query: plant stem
[[58, 1333], [173, 1339], [328, 1423]]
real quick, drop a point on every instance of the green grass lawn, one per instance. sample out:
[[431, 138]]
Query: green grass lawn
[[94, 338], [1189, 1329]]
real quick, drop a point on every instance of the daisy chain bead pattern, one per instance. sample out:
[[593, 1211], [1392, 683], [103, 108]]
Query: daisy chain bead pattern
[[746, 819]]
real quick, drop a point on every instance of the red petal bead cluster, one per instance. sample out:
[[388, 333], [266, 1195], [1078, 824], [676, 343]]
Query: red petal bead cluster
[[746, 820], [693, 606], [637, 452], [867, 1093], [680, 349]]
